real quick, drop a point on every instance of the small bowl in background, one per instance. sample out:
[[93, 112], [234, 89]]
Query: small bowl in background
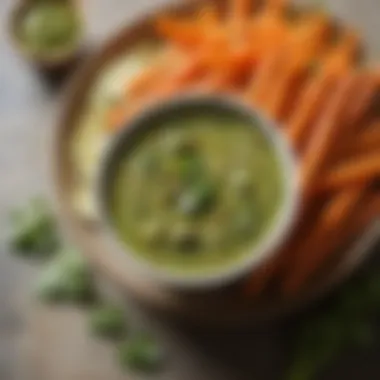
[[57, 59]]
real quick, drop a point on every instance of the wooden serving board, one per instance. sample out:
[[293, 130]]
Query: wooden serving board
[[219, 307]]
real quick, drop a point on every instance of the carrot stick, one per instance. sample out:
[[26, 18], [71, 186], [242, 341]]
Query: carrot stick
[[278, 71], [305, 46], [312, 99], [261, 278], [316, 91], [285, 84], [344, 54], [311, 252], [277, 6], [184, 33], [325, 134], [153, 87], [357, 110], [144, 80], [240, 10], [367, 141], [260, 88], [209, 16], [115, 118], [270, 33], [323, 244], [264, 276], [352, 173], [151, 75]]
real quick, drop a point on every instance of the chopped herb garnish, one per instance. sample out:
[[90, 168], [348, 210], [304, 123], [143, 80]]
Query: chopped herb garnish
[[108, 322], [67, 279], [142, 353], [33, 230]]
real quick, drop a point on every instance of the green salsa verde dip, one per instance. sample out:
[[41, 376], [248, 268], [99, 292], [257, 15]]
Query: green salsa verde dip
[[48, 26], [196, 191]]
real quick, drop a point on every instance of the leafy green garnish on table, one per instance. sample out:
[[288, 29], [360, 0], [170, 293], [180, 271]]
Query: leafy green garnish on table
[[34, 231], [108, 321], [346, 323], [141, 353], [67, 278]]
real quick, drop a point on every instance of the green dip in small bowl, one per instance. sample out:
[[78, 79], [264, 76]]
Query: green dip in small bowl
[[198, 191], [48, 30]]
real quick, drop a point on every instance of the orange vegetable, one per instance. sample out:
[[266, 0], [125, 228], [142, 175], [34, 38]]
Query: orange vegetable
[[305, 45], [316, 247], [240, 11], [323, 139], [367, 141], [337, 63], [116, 117], [142, 82], [260, 279], [325, 244], [260, 88], [351, 173], [184, 33], [311, 102]]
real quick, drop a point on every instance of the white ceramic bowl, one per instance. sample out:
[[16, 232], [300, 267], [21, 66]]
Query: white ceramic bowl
[[270, 241]]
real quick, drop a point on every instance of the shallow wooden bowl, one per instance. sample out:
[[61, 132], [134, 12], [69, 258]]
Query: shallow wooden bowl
[[224, 307]]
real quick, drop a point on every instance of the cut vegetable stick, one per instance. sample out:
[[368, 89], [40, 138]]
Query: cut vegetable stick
[[115, 118], [267, 33], [284, 88], [367, 141], [357, 111], [324, 137], [261, 87], [150, 76], [270, 32], [239, 10], [355, 172], [184, 33], [344, 54], [153, 86], [308, 39], [324, 250], [144, 80], [305, 46], [261, 278], [209, 16], [281, 70], [361, 102], [277, 7], [185, 76], [337, 63], [312, 99], [312, 252]]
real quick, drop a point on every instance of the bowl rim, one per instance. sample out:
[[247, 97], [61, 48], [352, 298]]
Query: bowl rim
[[271, 240]]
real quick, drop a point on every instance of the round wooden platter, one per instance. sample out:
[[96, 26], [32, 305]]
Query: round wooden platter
[[222, 307]]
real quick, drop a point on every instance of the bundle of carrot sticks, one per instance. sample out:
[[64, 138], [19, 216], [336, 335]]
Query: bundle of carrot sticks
[[304, 72]]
